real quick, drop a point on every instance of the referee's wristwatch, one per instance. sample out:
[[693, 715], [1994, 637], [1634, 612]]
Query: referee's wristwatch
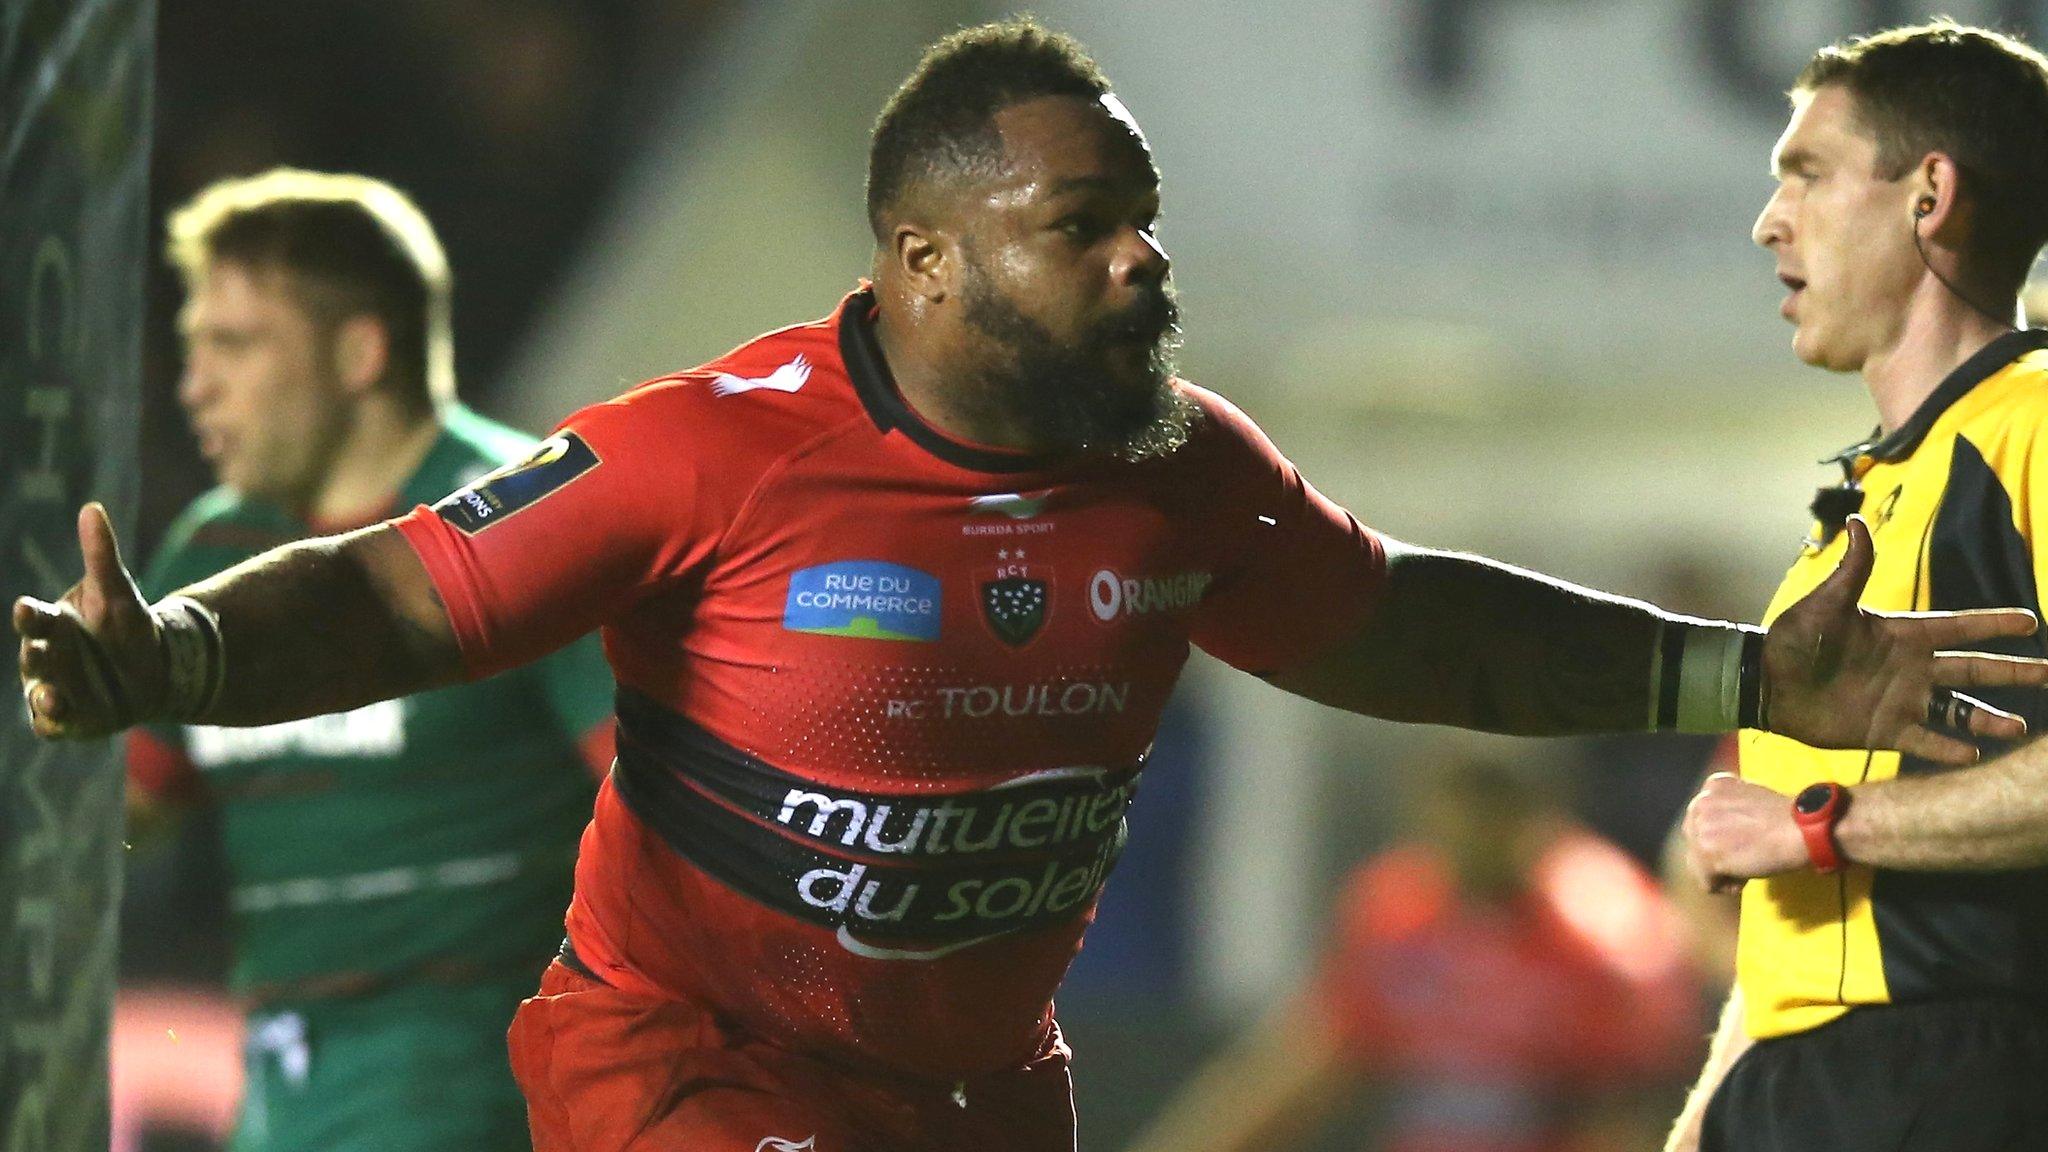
[[1817, 809]]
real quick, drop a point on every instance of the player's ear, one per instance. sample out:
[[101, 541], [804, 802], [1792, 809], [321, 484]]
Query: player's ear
[[362, 352], [927, 258]]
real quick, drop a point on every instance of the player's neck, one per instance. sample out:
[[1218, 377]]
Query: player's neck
[[1937, 335], [930, 386], [380, 451]]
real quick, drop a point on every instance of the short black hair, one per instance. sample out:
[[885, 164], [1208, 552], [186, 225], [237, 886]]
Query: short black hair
[[941, 122], [1977, 95]]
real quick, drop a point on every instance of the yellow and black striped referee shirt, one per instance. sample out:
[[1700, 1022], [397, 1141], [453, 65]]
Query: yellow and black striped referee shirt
[[1958, 523]]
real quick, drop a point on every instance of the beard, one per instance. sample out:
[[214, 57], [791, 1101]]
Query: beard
[[1084, 395]]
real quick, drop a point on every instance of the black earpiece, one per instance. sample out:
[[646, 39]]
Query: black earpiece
[[1921, 209]]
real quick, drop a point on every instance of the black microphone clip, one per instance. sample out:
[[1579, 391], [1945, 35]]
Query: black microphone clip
[[1832, 506]]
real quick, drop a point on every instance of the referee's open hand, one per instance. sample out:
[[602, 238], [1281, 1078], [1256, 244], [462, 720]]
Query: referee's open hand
[[90, 664], [1840, 676]]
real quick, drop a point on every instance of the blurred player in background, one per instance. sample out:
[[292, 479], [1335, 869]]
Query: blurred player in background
[[1889, 989], [1502, 982], [398, 871], [895, 599]]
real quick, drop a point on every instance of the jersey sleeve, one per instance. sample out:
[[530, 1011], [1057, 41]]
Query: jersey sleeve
[[1299, 572], [606, 511]]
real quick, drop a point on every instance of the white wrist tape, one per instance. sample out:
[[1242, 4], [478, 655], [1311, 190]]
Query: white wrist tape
[[1701, 675], [194, 658]]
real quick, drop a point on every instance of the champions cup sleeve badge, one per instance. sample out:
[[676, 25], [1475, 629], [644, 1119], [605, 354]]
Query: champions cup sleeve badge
[[1015, 600], [496, 495]]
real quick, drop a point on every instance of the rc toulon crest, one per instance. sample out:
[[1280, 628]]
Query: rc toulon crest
[[1015, 607]]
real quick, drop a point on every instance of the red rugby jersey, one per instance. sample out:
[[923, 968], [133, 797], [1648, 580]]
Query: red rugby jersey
[[884, 695]]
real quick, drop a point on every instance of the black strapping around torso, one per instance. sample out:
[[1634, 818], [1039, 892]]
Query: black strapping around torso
[[929, 867]]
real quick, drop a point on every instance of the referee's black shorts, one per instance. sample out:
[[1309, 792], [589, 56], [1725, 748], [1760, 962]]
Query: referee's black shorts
[[1946, 1076]]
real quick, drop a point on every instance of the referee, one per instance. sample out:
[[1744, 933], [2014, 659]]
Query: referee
[[1890, 968]]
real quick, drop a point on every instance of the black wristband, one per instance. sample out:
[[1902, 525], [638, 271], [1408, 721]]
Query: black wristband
[[1671, 654], [188, 633], [1753, 706]]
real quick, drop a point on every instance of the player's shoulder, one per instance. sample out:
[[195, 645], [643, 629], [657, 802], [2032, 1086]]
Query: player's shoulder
[[217, 504], [767, 395], [222, 517], [1222, 439], [789, 370], [219, 528]]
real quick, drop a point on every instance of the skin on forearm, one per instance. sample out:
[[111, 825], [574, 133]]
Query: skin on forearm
[[327, 625], [1467, 641], [1974, 819], [1730, 1042]]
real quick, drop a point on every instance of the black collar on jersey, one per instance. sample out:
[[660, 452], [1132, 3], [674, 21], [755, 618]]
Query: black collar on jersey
[[1832, 506], [876, 387]]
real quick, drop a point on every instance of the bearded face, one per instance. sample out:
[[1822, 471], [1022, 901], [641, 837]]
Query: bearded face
[[1109, 388]]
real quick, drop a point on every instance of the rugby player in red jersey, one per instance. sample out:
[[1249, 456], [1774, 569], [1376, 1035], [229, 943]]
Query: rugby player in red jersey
[[894, 599]]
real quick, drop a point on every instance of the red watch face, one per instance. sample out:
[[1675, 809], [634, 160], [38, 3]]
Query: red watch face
[[1815, 810], [1814, 799]]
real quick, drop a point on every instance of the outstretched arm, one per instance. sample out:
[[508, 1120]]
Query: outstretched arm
[[1466, 641], [317, 626]]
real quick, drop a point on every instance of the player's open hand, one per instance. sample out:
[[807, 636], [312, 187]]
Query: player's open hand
[[1736, 831], [1840, 676], [90, 663]]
